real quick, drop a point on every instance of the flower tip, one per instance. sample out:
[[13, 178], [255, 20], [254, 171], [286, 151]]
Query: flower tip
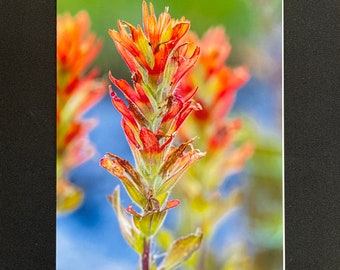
[[112, 79], [201, 154], [104, 162], [172, 204], [130, 210], [112, 166], [112, 93], [198, 232], [117, 189], [111, 32]]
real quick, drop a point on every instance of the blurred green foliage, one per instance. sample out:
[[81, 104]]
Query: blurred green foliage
[[263, 196]]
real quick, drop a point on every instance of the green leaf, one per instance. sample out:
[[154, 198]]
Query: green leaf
[[133, 192], [162, 198], [181, 250], [130, 233], [150, 223]]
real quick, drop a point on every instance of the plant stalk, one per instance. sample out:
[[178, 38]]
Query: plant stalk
[[202, 257], [146, 254]]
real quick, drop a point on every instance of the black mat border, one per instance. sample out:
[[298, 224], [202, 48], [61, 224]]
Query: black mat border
[[28, 105], [312, 145], [311, 115]]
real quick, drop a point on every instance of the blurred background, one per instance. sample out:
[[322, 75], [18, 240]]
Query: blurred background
[[89, 238]]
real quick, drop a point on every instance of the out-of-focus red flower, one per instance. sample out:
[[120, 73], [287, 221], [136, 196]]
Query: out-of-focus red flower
[[221, 80], [77, 91], [76, 49], [218, 85]]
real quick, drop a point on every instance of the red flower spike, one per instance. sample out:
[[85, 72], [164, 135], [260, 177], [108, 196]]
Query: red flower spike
[[158, 59], [220, 82]]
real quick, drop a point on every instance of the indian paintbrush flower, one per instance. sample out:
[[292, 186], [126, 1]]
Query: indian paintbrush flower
[[77, 91], [158, 58]]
